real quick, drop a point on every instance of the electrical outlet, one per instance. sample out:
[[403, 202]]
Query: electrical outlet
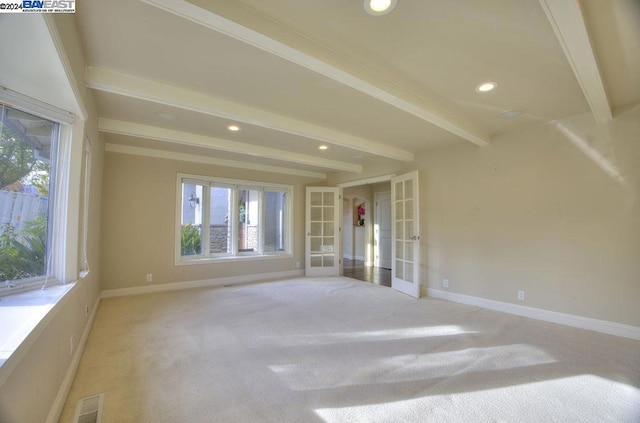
[[149, 277], [445, 283], [521, 295], [297, 265]]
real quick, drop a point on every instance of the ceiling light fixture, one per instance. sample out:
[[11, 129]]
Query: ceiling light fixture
[[508, 114], [323, 147], [379, 7], [486, 86], [233, 128], [166, 116]]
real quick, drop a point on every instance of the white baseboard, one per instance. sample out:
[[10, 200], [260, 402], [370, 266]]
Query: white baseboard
[[65, 387], [174, 286], [603, 326]]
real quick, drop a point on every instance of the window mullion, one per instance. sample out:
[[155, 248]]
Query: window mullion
[[206, 218], [233, 219], [261, 222]]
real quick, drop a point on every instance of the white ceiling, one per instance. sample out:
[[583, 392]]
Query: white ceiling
[[298, 74]]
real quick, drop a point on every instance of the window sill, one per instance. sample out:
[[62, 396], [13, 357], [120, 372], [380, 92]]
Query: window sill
[[23, 316], [213, 260]]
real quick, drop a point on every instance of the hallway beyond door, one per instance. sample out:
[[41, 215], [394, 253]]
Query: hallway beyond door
[[357, 270]]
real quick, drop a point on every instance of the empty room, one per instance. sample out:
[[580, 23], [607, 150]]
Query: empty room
[[320, 211]]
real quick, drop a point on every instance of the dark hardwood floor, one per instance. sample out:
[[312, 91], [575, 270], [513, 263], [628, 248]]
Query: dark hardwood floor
[[357, 270]]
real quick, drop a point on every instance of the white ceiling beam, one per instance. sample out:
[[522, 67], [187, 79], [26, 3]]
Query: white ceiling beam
[[186, 138], [117, 83], [306, 54], [567, 21], [172, 155]]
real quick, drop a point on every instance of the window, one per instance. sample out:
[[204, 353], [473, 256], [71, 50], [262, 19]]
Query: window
[[28, 146], [228, 219]]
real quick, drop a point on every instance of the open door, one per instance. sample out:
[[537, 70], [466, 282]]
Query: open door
[[405, 248], [322, 246]]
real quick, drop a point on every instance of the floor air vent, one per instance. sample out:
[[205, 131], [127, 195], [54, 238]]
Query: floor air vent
[[89, 409]]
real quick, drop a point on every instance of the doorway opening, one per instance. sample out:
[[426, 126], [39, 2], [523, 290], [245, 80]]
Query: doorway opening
[[365, 212]]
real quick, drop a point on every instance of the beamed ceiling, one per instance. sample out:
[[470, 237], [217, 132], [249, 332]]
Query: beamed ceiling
[[172, 75]]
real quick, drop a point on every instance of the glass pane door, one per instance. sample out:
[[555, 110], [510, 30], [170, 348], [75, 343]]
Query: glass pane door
[[322, 244], [406, 239]]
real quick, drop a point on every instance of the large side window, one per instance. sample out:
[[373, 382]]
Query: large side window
[[27, 169], [221, 219]]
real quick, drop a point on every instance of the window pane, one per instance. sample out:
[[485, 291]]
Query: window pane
[[191, 220], [399, 191], [327, 214], [327, 199], [399, 249], [399, 269], [400, 230], [219, 222], [399, 210], [408, 272], [408, 188], [316, 198], [27, 146], [316, 261], [248, 220], [408, 209], [274, 221]]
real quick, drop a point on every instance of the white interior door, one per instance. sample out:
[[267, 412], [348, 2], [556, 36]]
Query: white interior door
[[405, 249], [382, 231], [322, 246]]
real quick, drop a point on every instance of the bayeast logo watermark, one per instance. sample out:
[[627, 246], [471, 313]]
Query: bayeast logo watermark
[[38, 6]]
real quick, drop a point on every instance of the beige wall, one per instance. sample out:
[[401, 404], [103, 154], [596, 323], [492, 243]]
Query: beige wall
[[539, 211], [533, 212], [29, 392], [139, 222]]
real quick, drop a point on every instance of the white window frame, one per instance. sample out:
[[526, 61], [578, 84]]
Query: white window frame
[[62, 246], [235, 185]]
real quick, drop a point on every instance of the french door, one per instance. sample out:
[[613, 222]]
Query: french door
[[322, 246], [405, 248]]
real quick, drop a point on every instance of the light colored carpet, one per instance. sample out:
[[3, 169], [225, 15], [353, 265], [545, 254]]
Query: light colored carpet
[[341, 350]]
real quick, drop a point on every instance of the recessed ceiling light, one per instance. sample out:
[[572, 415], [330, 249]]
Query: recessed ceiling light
[[166, 116], [486, 86], [322, 147], [510, 114], [379, 7], [233, 128]]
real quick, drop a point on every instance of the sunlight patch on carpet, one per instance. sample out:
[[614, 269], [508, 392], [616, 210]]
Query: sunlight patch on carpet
[[361, 336], [576, 398], [332, 372]]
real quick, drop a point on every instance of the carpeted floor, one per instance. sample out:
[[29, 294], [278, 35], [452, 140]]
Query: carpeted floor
[[341, 350]]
